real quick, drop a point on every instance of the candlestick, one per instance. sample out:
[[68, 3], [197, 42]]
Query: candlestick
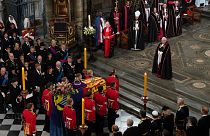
[[83, 112], [145, 84], [85, 58], [89, 21], [23, 80]]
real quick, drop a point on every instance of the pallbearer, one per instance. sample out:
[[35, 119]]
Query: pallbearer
[[90, 116], [101, 110], [29, 120], [136, 37], [113, 105], [69, 118]]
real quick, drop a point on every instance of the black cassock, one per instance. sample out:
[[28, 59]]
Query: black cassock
[[152, 28], [178, 21], [129, 18], [163, 69], [136, 36], [171, 26]]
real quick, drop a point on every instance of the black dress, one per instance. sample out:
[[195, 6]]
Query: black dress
[[164, 68]]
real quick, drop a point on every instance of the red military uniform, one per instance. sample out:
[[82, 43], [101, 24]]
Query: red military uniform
[[47, 101], [113, 98], [90, 109], [108, 36], [69, 117], [101, 104], [111, 79], [29, 118]]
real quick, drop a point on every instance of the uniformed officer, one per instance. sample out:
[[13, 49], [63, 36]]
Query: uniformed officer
[[101, 110], [90, 115], [69, 116], [113, 104]]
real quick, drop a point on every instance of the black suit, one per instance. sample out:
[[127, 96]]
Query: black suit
[[132, 131], [6, 43], [204, 125], [144, 127], [69, 71], [15, 40], [26, 48]]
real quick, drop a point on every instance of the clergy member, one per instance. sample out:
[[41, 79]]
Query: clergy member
[[126, 16], [108, 36], [162, 60], [171, 21], [99, 24], [178, 18], [152, 26], [136, 38]]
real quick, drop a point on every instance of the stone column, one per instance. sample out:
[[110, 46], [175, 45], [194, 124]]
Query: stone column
[[1, 10], [48, 13], [79, 14]]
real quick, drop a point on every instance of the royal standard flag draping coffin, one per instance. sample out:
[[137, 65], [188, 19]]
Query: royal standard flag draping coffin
[[93, 84]]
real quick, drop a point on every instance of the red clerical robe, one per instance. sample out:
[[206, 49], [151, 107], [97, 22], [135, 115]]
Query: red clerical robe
[[111, 79], [47, 101], [108, 36], [113, 98], [69, 118], [90, 109], [29, 118], [101, 104]]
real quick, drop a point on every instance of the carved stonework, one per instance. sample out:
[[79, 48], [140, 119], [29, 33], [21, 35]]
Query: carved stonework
[[62, 8]]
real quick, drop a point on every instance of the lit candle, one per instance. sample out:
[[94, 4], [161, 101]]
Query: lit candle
[[83, 111], [145, 84], [23, 80], [89, 21], [85, 58]]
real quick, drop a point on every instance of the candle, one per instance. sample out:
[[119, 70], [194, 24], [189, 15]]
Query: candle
[[89, 21], [23, 80], [83, 111], [85, 58], [145, 84]]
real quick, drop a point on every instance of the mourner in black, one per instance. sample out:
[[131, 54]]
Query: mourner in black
[[144, 125], [131, 130], [69, 69], [167, 121], [181, 116], [204, 122], [156, 125]]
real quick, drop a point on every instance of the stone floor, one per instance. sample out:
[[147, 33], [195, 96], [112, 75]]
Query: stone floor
[[9, 126], [191, 69]]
